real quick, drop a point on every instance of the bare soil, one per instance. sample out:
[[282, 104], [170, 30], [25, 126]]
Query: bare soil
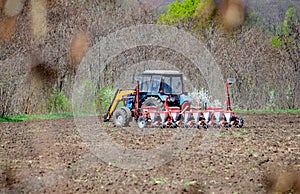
[[50, 156]]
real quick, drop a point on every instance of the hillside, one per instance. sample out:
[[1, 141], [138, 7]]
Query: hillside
[[43, 42]]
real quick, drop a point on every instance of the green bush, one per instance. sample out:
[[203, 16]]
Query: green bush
[[287, 31], [202, 12], [178, 11], [290, 20], [104, 98], [276, 41], [59, 103]]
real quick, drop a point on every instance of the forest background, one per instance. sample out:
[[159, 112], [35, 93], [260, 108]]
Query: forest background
[[42, 43]]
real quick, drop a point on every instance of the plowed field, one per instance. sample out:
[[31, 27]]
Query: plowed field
[[50, 156]]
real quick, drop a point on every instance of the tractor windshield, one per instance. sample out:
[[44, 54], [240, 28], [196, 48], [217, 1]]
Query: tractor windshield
[[172, 84], [169, 84], [150, 83]]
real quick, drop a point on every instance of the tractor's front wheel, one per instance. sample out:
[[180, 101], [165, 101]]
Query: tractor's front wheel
[[152, 101], [128, 111], [120, 118]]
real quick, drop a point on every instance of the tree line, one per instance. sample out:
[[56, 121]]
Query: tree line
[[40, 49]]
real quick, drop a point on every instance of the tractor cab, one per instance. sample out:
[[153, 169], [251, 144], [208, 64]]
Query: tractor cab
[[161, 81], [156, 85]]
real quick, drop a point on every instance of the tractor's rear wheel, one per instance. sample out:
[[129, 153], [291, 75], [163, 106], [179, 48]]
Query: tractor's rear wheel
[[120, 118], [152, 101]]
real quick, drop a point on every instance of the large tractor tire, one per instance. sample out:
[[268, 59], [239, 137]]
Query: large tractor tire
[[152, 101], [128, 111], [120, 117]]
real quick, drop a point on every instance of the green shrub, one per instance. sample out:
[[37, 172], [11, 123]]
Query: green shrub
[[287, 31], [202, 12], [275, 41], [59, 103], [178, 11], [104, 98]]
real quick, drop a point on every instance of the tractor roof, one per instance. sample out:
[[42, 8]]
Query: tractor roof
[[161, 72]]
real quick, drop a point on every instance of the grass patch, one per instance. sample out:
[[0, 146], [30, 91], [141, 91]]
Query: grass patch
[[266, 111], [156, 180], [188, 183], [239, 133], [26, 117]]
